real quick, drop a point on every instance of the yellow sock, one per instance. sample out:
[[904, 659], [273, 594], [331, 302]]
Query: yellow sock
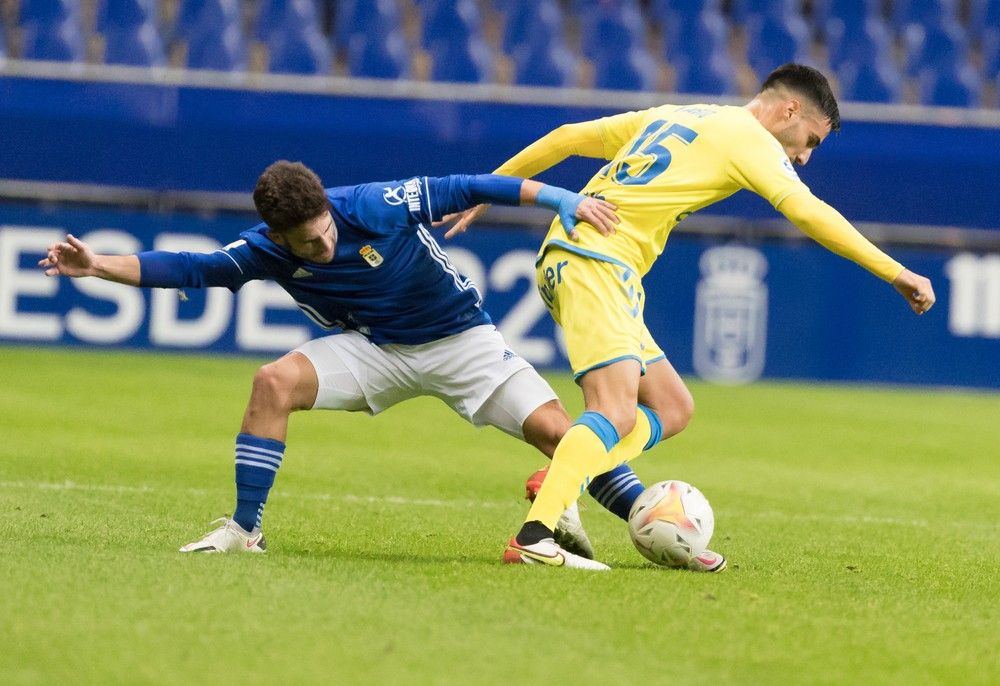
[[634, 443], [580, 456]]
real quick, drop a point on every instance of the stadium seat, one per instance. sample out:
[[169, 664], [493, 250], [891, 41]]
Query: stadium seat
[[299, 50], [379, 57], [635, 70], [612, 26], [468, 61], [120, 14], [221, 50], [871, 81], [526, 19], [957, 85], [865, 43], [206, 17], [907, 13], [135, 45], [714, 76], [448, 21], [777, 36], [699, 54], [60, 40], [542, 62], [297, 17], [47, 11], [939, 46], [353, 17]]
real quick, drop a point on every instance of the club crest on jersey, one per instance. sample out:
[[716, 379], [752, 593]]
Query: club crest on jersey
[[371, 255]]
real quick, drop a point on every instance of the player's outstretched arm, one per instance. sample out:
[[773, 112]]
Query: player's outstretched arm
[[828, 227], [75, 259], [582, 139]]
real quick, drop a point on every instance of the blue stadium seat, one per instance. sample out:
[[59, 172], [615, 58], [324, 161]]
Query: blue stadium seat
[[60, 40], [212, 17], [922, 12], [777, 36], [469, 61], [355, 17], [957, 85], [613, 25], [937, 45], [297, 17], [875, 80], [47, 11], [379, 57], [698, 51], [135, 45], [302, 50], [544, 62], [213, 32], [525, 19], [121, 14], [634, 70], [866, 43], [448, 21], [715, 75], [221, 49]]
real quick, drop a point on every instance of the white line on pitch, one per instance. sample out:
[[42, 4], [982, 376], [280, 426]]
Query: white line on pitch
[[433, 502]]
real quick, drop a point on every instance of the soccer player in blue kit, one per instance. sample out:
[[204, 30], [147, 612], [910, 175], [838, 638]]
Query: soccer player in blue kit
[[360, 259]]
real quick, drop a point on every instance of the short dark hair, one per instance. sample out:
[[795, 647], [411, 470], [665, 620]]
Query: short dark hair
[[809, 82], [289, 194]]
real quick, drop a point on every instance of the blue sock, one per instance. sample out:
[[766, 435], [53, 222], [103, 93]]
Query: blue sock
[[257, 462], [617, 489]]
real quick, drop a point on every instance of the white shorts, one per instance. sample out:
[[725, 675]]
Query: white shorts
[[473, 372]]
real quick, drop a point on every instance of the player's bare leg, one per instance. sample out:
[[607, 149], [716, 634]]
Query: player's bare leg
[[279, 388], [664, 392]]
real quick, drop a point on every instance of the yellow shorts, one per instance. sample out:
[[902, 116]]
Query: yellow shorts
[[599, 306]]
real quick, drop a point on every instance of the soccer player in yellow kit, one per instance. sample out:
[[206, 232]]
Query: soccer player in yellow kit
[[664, 164]]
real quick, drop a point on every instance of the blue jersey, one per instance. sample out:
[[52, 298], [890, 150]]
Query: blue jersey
[[389, 279]]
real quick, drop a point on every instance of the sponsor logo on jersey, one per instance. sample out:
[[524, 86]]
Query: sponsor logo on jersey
[[301, 273], [371, 255], [509, 355], [409, 193]]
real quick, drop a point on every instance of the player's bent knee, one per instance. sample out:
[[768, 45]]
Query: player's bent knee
[[272, 384], [676, 417]]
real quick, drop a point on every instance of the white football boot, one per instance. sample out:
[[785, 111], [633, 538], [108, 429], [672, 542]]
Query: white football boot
[[548, 552], [708, 561], [230, 537], [569, 533]]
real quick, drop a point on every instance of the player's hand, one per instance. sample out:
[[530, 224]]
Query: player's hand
[[464, 220], [71, 257], [916, 289], [598, 213]]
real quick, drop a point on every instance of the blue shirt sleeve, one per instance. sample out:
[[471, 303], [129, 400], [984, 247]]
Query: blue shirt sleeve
[[426, 199], [231, 266]]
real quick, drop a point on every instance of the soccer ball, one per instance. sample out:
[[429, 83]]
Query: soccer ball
[[670, 523]]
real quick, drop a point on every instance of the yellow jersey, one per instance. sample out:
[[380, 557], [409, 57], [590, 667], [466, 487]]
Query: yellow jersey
[[670, 161]]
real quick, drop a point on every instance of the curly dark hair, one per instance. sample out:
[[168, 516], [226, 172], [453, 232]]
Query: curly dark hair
[[289, 194], [810, 83]]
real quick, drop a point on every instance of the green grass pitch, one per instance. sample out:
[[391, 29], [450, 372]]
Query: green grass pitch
[[862, 527]]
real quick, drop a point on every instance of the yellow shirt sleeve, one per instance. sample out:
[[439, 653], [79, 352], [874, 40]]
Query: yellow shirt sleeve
[[828, 227], [569, 139]]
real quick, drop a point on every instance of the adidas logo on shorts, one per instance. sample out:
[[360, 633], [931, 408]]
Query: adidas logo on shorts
[[508, 354]]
